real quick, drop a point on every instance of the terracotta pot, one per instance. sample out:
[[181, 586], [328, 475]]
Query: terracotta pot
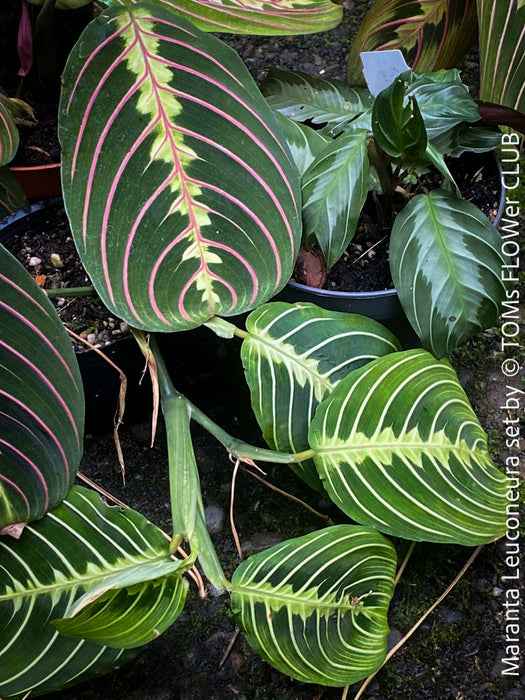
[[39, 181]]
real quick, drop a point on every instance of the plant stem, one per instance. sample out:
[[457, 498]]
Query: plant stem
[[71, 292], [237, 448]]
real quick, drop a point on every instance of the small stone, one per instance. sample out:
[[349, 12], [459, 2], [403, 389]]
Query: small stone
[[91, 338], [124, 327], [34, 261], [496, 591], [56, 261], [393, 638], [214, 517]]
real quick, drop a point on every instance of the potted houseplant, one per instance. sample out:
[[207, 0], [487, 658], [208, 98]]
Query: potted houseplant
[[383, 145], [41, 46], [184, 204]]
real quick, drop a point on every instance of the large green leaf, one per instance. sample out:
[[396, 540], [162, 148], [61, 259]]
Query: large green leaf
[[128, 609], [501, 51], [431, 35], [293, 357], [183, 201], [41, 401], [254, 16], [82, 546], [446, 265], [335, 187], [315, 606], [303, 97], [399, 448]]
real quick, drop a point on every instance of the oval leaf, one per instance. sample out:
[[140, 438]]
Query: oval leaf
[[399, 448], [83, 543], [293, 357], [303, 97], [41, 400], [334, 188], [128, 609], [182, 200], [446, 265], [315, 607]]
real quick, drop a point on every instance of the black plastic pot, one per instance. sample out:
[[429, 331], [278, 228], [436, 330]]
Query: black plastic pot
[[101, 381], [383, 306]]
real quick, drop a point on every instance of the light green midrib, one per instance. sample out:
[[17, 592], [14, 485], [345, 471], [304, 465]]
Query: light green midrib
[[85, 582], [322, 379], [398, 446], [292, 601]]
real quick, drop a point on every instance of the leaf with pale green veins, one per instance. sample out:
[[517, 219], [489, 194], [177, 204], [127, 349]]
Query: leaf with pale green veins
[[332, 104], [82, 547], [399, 448], [335, 188], [293, 357], [315, 606]]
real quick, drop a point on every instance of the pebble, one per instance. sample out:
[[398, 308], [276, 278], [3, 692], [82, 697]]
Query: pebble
[[214, 517], [34, 261], [91, 337], [393, 638], [56, 261]]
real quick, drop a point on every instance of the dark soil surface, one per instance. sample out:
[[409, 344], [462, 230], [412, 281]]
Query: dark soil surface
[[43, 243]]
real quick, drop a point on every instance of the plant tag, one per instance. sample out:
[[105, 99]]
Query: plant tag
[[380, 68]]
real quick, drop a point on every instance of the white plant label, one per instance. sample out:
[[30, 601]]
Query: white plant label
[[380, 68]]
